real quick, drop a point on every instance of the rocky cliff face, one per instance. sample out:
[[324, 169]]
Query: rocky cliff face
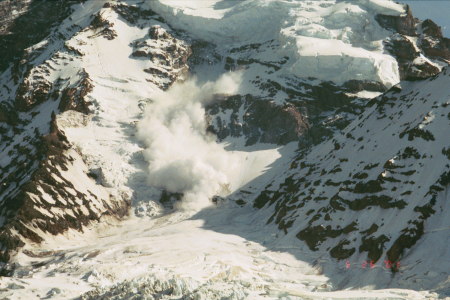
[[371, 170], [280, 112], [418, 47], [47, 187], [415, 45], [338, 196], [258, 120]]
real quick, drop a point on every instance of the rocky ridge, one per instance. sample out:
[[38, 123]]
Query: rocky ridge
[[60, 94], [47, 187]]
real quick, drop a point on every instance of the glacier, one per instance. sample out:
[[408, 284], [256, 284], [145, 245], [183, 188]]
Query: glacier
[[322, 38], [134, 94]]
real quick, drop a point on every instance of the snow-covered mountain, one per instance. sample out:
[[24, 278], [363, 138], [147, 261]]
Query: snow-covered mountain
[[223, 150]]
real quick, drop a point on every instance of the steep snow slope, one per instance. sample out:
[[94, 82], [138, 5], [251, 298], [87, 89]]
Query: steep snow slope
[[93, 122], [379, 191]]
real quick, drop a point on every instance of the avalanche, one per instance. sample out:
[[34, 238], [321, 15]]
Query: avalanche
[[152, 168]]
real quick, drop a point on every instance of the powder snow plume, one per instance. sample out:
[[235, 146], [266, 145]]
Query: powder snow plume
[[182, 156]]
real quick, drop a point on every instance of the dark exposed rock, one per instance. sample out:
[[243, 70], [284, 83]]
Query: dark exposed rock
[[403, 24], [140, 53], [382, 201], [32, 92], [32, 212], [6, 9], [374, 246], [103, 26], [432, 29], [8, 115], [435, 48], [36, 18], [131, 13], [172, 61], [156, 33], [411, 66], [417, 132], [411, 39], [420, 70], [264, 197], [410, 152], [402, 48], [73, 98], [361, 85], [371, 230], [315, 235], [407, 239], [446, 152], [371, 186], [262, 121], [339, 252]]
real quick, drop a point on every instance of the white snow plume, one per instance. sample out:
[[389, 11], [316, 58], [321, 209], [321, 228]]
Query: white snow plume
[[182, 156]]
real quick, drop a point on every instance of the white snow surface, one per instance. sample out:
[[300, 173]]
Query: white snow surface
[[329, 40], [223, 252], [211, 255]]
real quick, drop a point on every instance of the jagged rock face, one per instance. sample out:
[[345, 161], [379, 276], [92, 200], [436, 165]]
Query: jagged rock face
[[103, 27], [258, 120], [403, 24], [165, 52], [74, 98], [415, 45], [411, 65], [29, 95], [48, 185], [433, 43], [51, 201], [375, 168]]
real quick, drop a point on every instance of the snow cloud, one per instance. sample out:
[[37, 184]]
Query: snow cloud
[[182, 156]]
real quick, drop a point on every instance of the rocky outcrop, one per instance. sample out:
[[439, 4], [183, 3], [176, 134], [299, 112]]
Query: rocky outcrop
[[133, 14], [415, 44], [31, 93], [103, 27], [335, 188], [433, 43], [74, 98], [412, 65], [403, 24], [168, 54], [58, 196], [415, 50], [259, 120]]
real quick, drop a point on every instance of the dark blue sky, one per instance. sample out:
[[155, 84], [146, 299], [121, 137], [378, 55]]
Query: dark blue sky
[[438, 11]]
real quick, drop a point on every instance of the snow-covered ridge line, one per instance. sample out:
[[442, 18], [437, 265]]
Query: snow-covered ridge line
[[112, 68], [55, 184], [329, 40], [321, 38]]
